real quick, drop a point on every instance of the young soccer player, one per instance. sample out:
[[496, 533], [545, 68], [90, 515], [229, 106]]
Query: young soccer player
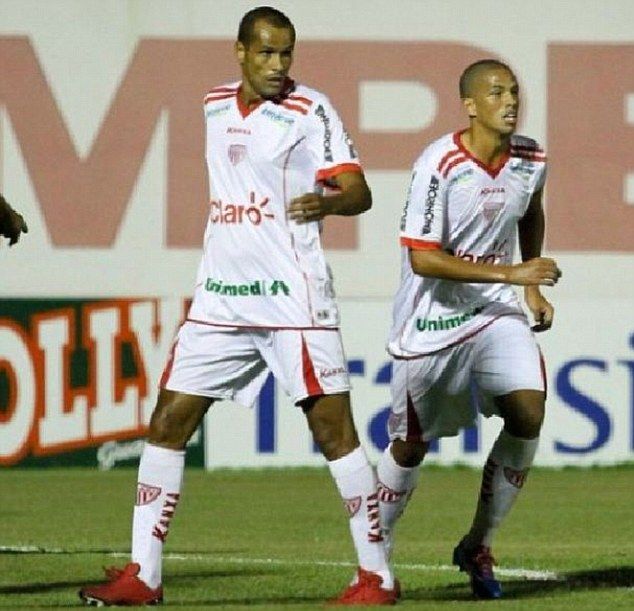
[[457, 321]]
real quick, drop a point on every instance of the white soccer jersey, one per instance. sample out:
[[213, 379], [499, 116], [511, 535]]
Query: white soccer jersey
[[259, 268], [458, 204]]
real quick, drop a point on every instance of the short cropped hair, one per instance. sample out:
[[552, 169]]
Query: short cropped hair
[[265, 13], [474, 70]]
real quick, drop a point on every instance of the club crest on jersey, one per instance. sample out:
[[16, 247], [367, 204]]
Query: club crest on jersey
[[492, 206], [352, 505], [237, 153], [490, 209], [145, 494]]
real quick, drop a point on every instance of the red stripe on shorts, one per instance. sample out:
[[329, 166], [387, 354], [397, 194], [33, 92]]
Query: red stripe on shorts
[[168, 367], [414, 432], [310, 379], [542, 365]]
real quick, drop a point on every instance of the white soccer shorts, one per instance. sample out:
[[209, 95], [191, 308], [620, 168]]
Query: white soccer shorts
[[439, 394], [234, 363]]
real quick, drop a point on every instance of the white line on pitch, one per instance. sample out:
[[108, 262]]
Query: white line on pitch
[[528, 574], [521, 573]]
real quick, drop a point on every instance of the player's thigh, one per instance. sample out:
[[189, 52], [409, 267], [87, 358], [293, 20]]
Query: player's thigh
[[509, 369], [431, 395], [307, 363], [216, 363]]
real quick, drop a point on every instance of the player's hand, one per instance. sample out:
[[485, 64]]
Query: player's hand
[[535, 272], [12, 223], [542, 310], [309, 207]]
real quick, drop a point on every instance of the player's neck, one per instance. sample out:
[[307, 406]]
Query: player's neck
[[248, 96], [485, 145]]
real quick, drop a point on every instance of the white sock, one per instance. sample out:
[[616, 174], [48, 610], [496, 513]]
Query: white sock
[[502, 479], [396, 486], [357, 485], [158, 491]]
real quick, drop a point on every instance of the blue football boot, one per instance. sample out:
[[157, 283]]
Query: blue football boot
[[478, 563]]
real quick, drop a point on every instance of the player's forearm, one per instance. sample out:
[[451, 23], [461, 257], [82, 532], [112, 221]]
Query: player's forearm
[[354, 200], [439, 264], [531, 234]]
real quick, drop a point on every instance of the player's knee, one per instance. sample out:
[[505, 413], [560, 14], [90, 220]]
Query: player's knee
[[166, 430], [335, 441], [526, 421], [408, 453]]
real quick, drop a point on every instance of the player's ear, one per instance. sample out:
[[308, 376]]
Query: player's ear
[[469, 105], [241, 51]]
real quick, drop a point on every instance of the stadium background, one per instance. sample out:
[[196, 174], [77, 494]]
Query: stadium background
[[101, 149]]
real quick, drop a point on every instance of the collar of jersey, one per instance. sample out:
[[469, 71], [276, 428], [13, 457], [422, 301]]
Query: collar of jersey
[[492, 171], [245, 111]]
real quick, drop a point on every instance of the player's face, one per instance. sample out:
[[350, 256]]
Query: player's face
[[266, 60], [494, 102]]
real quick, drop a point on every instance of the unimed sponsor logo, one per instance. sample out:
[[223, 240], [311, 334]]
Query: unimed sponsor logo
[[432, 194], [271, 288], [443, 323]]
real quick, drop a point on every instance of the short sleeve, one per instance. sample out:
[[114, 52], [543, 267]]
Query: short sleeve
[[329, 142], [422, 223], [541, 177]]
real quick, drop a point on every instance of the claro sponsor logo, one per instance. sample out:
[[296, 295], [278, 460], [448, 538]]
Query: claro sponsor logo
[[325, 119], [273, 288], [432, 194], [446, 323], [237, 214]]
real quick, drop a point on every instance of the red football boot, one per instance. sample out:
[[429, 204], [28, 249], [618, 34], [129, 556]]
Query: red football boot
[[122, 588], [367, 591]]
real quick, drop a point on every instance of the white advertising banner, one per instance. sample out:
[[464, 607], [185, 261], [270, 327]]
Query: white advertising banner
[[101, 149]]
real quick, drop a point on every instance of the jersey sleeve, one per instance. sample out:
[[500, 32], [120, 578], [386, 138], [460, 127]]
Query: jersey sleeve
[[329, 143], [423, 220], [541, 176]]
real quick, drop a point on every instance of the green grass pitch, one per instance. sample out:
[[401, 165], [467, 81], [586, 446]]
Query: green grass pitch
[[264, 539]]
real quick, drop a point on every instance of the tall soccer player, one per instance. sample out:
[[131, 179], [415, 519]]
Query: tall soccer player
[[457, 322], [12, 223], [263, 302]]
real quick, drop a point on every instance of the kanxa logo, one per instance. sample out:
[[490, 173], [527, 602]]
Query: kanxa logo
[[236, 214], [432, 194], [273, 288], [332, 371]]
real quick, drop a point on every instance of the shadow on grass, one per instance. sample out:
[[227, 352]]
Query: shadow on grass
[[33, 588], [607, 578], [596, 579]]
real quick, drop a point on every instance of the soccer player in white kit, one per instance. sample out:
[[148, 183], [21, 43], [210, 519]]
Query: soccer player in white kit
[[457, 322], [263, 302]]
